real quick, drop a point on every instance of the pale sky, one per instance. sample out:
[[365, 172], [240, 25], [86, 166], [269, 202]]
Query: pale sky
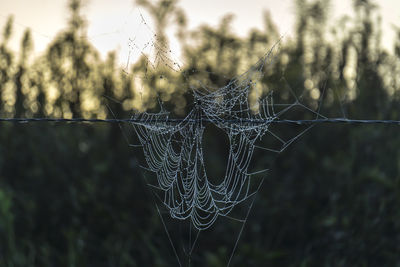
[[112, 23]]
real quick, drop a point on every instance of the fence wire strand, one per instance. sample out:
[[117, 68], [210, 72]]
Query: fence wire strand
[[133, 120]]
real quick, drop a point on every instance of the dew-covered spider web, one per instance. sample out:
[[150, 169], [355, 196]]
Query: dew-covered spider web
[[174, 148], [174, 151]]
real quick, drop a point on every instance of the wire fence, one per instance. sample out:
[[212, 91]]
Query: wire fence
[[249, 121]]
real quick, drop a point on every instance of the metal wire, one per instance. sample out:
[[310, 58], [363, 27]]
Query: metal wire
[[133, 120]]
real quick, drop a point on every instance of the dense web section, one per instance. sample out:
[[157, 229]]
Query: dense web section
[[173, 149]]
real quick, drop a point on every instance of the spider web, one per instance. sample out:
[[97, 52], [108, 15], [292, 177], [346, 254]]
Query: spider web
[[174, 150], [174, 147]]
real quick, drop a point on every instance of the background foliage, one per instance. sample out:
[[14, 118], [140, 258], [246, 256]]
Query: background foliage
[[74, 195]]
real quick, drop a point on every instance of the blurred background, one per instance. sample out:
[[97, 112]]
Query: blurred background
[[74, 194]]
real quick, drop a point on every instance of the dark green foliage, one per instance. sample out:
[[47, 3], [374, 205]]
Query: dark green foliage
[[75, 194]]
